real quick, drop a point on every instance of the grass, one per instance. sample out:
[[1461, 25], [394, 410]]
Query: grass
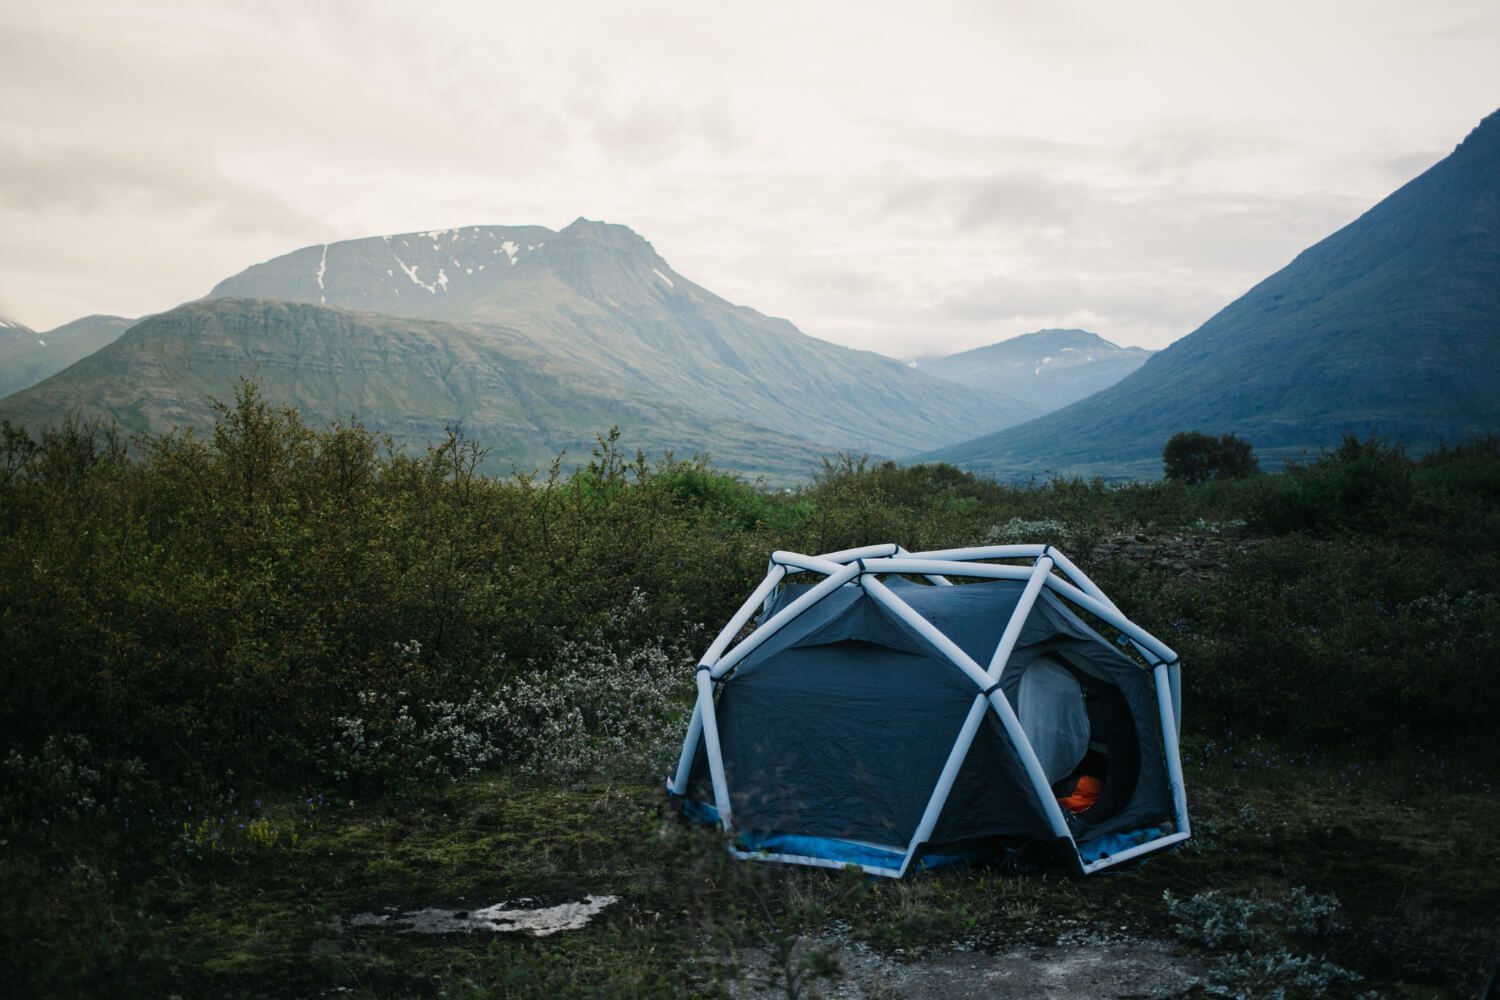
[[475, 683], [1409, 859]]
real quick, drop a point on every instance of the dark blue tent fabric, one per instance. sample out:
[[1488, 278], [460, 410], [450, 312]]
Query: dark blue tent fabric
[[839, 725]]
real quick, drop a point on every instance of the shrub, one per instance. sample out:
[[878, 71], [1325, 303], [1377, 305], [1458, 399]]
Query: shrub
[[1361, 485], [271, 605], [1193, 457], [596, 704], [1254, 932]]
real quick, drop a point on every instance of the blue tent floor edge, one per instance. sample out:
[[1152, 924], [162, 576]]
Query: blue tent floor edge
[[830, 849], [873, 857]]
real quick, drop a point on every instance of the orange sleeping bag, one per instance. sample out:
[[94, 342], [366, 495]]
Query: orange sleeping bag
[[1085, 794]]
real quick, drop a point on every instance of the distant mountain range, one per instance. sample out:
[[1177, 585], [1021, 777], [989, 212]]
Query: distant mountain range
[[1048, 369], [537, 340], [27, 356], [1389, 326], [534, 339]]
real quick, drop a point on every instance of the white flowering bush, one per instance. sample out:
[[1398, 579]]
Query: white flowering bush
[[597, 705], [63, 783], [1219, 920], [1275, 975], [1249, 930], [1020, 530]]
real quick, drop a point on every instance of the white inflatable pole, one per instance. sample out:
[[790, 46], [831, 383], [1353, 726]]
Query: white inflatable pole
[[711, 746], [949, 775], [840, 576], [1174, 678], [970, 728], [863, 552], [1012, 634], [1008, 719], [1110, 860], [933, 578], [921, 567], [761, 594], [944, 645], [1174, 757], [982, 552], [1106, 613]]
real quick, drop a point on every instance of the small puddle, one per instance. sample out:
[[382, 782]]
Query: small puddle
[[500, 918]]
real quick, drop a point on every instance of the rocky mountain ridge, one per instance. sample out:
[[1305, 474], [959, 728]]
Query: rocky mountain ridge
[[1389, 326]]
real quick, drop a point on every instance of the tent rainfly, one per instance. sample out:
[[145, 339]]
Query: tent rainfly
[[884, 717]]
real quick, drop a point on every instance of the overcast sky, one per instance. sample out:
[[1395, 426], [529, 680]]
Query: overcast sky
[[910, 178]]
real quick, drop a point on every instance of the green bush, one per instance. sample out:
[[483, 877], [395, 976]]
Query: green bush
[[214, 606], [212, 616], [1192, 457], [1372, 486]]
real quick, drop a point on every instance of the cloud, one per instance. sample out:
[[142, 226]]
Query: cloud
[[891, 178], [1173, 148], [81, 179]]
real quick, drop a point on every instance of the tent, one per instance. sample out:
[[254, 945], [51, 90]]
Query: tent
[[887, 718]]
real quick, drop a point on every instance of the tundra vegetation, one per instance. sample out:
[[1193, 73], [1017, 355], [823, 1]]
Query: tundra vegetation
[[268, 677]]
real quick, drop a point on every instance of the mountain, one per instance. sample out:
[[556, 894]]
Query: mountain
[[1048, 368], [1389, 326], [27, 357], [10, 331], [602, 294], [401, 376], [535, 339]]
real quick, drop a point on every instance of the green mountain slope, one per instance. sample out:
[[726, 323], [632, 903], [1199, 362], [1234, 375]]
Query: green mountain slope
[[402, 376], [1390, 325], [600, 295], [1048, 368], [27, 357]]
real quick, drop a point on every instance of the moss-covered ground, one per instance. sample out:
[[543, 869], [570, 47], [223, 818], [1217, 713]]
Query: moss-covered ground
[[1407, 850]]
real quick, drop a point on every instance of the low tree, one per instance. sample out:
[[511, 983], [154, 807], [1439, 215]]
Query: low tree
[[1193, 457], [1236, 458]]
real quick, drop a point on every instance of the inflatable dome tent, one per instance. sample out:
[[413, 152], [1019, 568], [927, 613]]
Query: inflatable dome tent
[[885, 717]]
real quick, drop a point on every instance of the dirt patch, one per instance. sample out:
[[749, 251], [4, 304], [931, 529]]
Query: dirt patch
[[1076, 967]]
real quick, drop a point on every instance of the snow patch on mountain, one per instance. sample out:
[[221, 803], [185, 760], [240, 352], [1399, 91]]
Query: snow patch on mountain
[[411, 272], [663, 277]]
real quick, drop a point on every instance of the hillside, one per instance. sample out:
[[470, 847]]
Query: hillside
[[405, 377], [28, 356], [600, 296], [1048, 368], [1389, 326]]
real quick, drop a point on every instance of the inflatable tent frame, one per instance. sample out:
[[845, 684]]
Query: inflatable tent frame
[[863, 567]]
